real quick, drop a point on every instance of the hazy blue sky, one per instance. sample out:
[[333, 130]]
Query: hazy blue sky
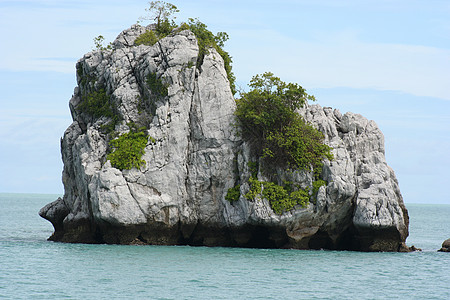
[[387, 60]]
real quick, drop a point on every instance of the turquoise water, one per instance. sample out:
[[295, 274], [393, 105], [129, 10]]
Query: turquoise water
[[32, 268]]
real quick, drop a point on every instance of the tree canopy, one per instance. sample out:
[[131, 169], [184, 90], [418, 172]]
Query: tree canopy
[[160, 11], [268, 119]]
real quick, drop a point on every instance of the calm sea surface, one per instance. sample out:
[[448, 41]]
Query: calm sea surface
[[32, 268]]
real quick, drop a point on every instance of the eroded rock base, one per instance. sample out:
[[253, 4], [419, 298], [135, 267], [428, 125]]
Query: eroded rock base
[[247, 236]]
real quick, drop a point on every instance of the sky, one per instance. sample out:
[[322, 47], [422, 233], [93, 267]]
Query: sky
[[388, 60]]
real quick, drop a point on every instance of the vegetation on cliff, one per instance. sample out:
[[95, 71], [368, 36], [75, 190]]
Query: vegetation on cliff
[[128, 148], [125, 151], [95, 101], [162, 14], [268, 119]]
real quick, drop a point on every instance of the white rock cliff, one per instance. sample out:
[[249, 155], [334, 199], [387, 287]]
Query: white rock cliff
[[178, 197]]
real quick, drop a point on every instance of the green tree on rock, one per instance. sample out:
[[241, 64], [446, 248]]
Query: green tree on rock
[[268, 119], [160, 12]]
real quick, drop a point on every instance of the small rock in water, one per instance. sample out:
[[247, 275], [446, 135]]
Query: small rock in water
[[445, 246]]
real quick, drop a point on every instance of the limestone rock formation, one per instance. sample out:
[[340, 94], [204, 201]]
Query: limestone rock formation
[[195, 156]]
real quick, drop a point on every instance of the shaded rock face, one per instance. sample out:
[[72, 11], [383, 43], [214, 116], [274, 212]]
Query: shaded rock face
[[178, 197]]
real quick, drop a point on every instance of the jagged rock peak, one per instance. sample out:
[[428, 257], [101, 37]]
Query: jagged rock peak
[[193, 157]]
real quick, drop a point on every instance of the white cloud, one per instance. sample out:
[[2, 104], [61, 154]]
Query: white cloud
[[31, 64], [20, 128], [54, 29], [32, 30], [344, 61]]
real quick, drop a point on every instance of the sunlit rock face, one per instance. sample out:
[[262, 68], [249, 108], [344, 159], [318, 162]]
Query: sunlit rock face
[[195, 156]]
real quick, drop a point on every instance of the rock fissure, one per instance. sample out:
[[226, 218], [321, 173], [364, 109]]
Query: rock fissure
[[144, 212], [219, 68], [163, 54]]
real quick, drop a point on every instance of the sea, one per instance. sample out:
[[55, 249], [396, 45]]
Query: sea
[[33, 268]]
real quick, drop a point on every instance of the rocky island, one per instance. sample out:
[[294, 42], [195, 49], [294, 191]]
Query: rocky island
[[190, 183]]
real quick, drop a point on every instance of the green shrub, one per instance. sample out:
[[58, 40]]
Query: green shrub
[[253, 168], [298, 145], [156, 86], [281, 198], [148, 38], [255, 188], [155, 90], [268, 120], [128, 149], [233, 193], [206, 39], [96, 104], [316, 186], [278, 197], [98, 42], [301, 197], [110, 126], [182, 27], [165, 28], [85, 81]]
